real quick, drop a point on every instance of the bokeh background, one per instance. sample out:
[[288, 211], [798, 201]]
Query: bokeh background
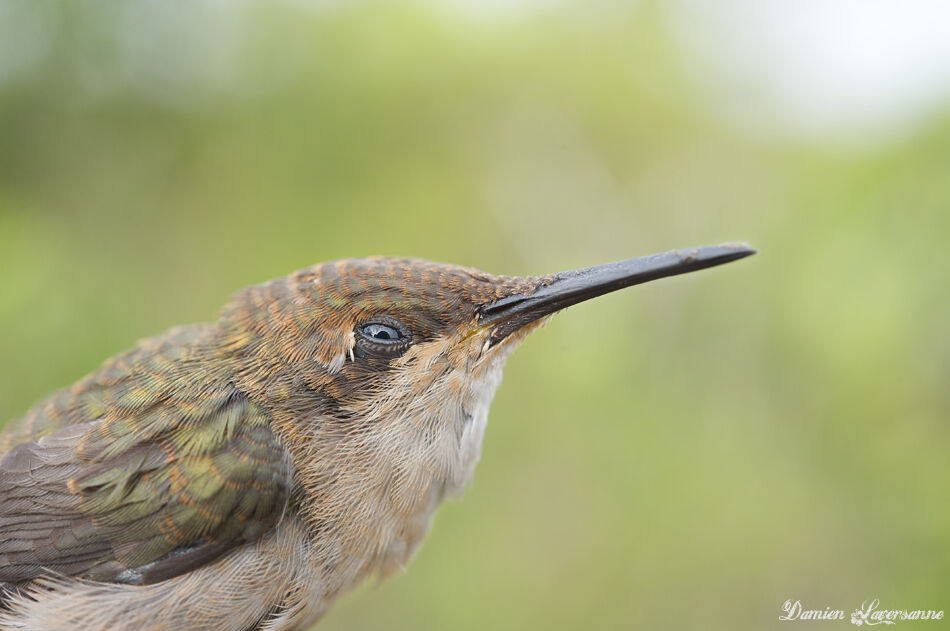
[[688, 454]]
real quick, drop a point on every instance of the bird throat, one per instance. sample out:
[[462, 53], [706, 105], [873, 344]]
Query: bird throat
[[369, 488]]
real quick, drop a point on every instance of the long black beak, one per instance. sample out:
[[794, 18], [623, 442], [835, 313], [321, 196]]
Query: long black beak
[[569, 288]]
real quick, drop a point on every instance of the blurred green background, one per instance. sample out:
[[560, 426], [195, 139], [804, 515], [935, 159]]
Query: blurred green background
[[688, 454]]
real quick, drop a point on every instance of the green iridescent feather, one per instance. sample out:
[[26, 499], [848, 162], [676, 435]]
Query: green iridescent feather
[[145, 469]]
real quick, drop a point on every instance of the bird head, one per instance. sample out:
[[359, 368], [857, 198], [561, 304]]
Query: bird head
[[379, 372]]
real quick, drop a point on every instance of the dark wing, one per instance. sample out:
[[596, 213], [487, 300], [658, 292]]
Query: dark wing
[[176, 468]]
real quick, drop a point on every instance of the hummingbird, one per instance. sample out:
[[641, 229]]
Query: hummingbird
[[240, 475]]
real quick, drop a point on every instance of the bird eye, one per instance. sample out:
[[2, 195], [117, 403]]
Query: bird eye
[[381, 333], [383, 336]]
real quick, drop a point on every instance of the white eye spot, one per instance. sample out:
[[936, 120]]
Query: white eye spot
[[336, 363]]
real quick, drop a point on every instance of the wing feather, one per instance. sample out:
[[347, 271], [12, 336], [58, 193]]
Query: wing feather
[[152, 466]]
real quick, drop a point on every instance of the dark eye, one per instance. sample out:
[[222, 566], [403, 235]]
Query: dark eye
[[382, 336], [381, 332]]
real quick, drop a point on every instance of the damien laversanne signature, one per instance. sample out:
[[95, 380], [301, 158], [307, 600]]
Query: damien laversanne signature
[[869, 613]]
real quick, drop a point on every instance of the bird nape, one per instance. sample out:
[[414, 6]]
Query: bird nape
[[241, 474]]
